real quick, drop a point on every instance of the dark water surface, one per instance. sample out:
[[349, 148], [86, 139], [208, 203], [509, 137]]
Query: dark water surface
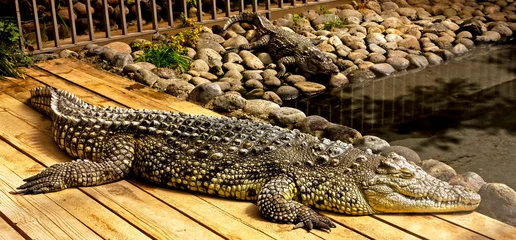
[[462, 112]]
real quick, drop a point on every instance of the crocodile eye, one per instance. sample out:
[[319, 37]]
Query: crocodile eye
[[406, 173]]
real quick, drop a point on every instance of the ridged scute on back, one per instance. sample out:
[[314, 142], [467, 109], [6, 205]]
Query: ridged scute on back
[[48, 100], [249, 17]]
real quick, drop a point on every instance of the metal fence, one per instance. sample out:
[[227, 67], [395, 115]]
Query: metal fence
[[164, 21]]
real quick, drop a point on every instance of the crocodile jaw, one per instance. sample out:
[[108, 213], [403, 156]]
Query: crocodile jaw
[[401, 187]]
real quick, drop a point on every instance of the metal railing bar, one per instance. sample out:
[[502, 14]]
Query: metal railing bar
[[292, 2], [268, 8], [213, 9], [199, 11], [185, 8], [72, 21], [138, 15], [107, 27], [170, 13], [90, 21], [19, 24], [122, 17], [54, 22], [39, 42], [154, 15], [280, 3], [242, 6], [228, 8], [254, 5]]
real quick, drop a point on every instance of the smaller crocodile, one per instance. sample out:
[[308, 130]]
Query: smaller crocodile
[[288, 48]]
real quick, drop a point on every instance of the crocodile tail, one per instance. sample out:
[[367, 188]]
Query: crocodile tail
[[47, 100], [249, 17]]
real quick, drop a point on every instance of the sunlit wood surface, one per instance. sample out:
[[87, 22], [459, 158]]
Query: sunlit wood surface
[[131, 209]]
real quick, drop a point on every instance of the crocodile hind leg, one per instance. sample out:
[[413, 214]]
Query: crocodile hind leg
[[282, 63], [276, 203], [115, 163]]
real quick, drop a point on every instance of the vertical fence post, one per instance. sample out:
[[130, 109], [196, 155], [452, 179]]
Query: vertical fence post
[[213, 9], [18, 22], [228, 8], [36, 25], [72, 21], [242, 6], [90, 21], [106, 18], [199, 11], [54, 22], [122, 17], [268, 9], [254, 5], [138, 15], [185, 8], [170, 13], [154, 15]]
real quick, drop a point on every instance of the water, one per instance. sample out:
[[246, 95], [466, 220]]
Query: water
[[462, 112]]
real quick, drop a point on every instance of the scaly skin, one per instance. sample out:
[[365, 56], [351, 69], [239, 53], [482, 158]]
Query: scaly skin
[[288, 48], [286, 172]]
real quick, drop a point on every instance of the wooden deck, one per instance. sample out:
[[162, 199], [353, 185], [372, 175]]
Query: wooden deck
[[131, 209]]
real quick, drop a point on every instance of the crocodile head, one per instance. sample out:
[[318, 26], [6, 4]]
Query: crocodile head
[[398, 186], [318, 62]]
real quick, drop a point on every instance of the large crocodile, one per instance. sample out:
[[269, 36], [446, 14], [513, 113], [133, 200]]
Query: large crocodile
[[287, 47], [284, 171]]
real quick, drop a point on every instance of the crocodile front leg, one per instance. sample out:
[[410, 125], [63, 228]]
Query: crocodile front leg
[[282, 63], [263, 41], [115, 163], [275, 203]]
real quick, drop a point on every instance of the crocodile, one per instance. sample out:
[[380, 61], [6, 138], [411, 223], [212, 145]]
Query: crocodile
[[287, 173], [287, 47]]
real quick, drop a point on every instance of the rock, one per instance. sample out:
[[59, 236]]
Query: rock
[[474, 180], [314, 125], [145, 76], [345, 13], [164, 72], [382, 69], [503, 30], [209, 76], [391, 37], [203, 43], [211, 57], [438, 169], [271, 81], [409, 43], [131, 68], [199, 65], [287, 93], [407, 12], [294, 78], [273, 97], [162, 84], [374, 143], [464, 34], [377, 58], [391, 22], [459, 49], [405, 152], [251, 61], [376, 49], [339, 132], [256, 93], [180, 89], [96, 50], [260, 108], [389, 6], [451, 25], [365, 65], [121, 59], [233, 66], [310, 88], [417, 61], [235, 42], [264, 57], [338, 80], [397, 53], [228, 103], [357, 55], [253, 83], [325, 18], [233, 57], [224, 86], [203, 93], [286, 116], [234, 74], [375, 38], [145, 65], [253, 74], [107, 54], [468, 43], [498, 201], [66, 53], [433, 59], [360, 75], [199, 80], [398, 63], [119, 47], [489, 36]]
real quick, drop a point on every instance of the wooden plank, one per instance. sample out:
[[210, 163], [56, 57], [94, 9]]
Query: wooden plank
[[482, 224], [89, 212], [118, 88], [429, 226], [51, 216], [363, 224], [150, 214], [8, 233]]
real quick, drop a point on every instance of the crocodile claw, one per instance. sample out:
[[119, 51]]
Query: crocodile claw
[[49, 180], [309, 219]]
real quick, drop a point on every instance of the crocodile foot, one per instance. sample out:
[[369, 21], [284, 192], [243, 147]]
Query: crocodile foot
[[310, 219]]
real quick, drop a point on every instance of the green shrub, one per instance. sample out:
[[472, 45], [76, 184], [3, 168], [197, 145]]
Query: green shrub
[[162, 55], [331, 25], [11, 57]]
